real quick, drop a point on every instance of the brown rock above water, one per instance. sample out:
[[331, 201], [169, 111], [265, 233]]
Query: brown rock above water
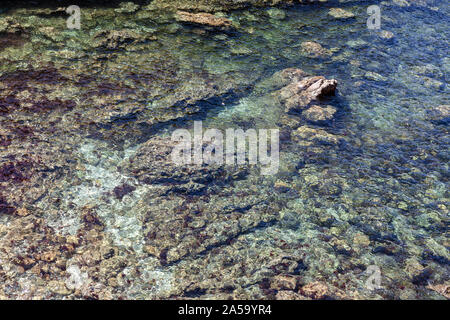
[[203, 18], [301, 92]]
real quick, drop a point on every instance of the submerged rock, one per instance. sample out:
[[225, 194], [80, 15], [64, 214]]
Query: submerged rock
[[11, 26], [289, 75], [11, 33], [443, 289], [49, 33], [318, 114], [432, 83], [284, 282], [374, 76], [152, 164], [339, 13], [307, 136], [113, 39], [401, 3], [127, 7], [429, 70], [203, 18], [185, 212], [215, 5], [315, 290], [407, 3], [440, 114], [386, 34], [315, 50], [277, 14], [280, 79], [289, 295]]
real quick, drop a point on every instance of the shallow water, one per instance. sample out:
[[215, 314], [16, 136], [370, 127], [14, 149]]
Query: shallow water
[[378, 197]]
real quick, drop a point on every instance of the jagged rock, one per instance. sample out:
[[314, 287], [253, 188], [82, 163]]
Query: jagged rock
[[203, 18], [301, 92], [318, 114], [315, 50]]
